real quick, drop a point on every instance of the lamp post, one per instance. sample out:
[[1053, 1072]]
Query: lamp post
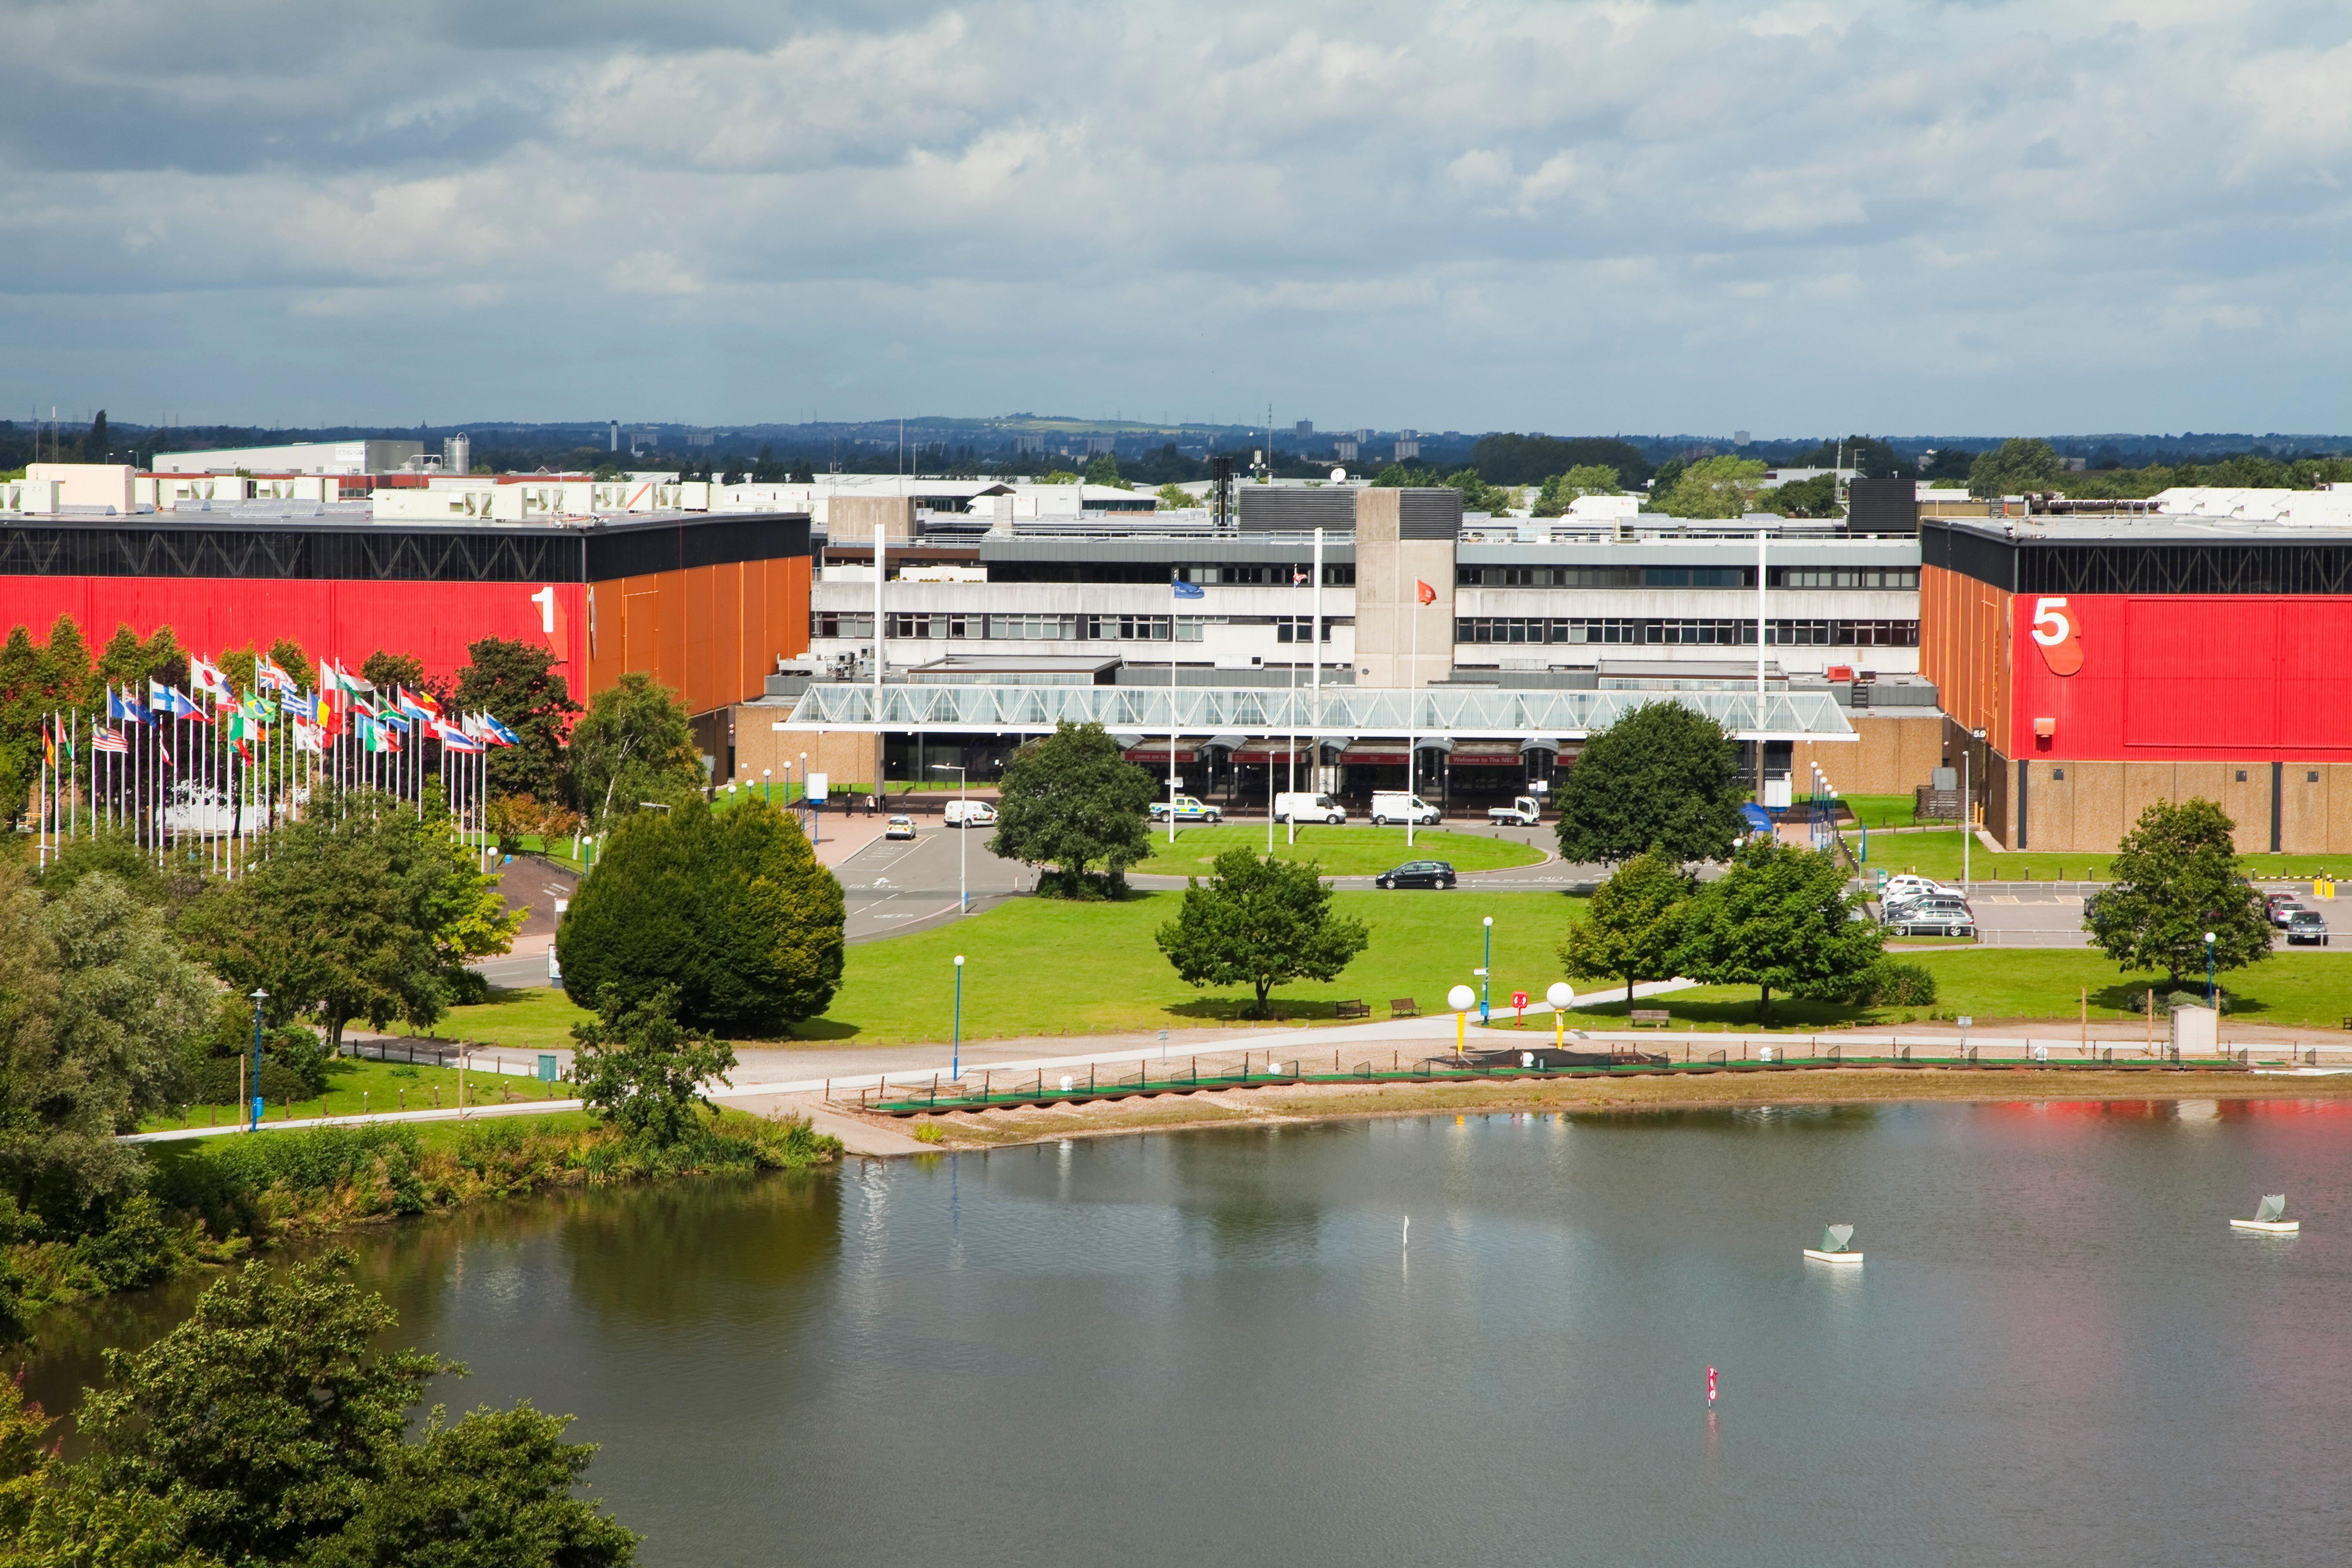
[[258, 997], [964, 832], [1485, 971], [805, 800], [2208, 972], [768, 786], [955, 1046]]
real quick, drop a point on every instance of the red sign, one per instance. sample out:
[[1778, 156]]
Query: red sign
[[1519, 1002]]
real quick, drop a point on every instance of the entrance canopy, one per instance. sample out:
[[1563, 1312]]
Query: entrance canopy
[[1344, 712]]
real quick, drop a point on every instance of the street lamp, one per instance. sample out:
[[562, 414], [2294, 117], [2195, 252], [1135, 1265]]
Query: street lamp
[[768, 786], [259, 997], [964, 831], [1485, 970], [2209, 970], [955, 1046]]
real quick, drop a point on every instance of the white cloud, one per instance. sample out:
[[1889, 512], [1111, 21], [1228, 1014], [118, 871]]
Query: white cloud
[[1916, 215]]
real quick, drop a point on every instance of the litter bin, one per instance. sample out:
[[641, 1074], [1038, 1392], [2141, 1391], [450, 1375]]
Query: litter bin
[[546, 1067]]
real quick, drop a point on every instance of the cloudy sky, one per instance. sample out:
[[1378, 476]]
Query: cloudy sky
[[1797, 218]]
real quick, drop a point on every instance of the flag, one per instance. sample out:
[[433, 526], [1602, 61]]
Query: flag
[[420, 703], [48, 744], [454, 738], [165, 749], [300, 707], [1423, 591], [269, 677], [65, 738], [102, 739], [243, 750], [170, 699], [119, 708], [1297, 578], [499, 732], [208, 680], [1187, 590], [308, 737]]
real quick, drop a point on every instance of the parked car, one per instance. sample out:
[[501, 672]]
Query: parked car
[[1945, 915], [1908, 886], [1521, 813], [2282, 908], [2306, 926], [1302, 806], [900, 827], [1188, 810], [970, 814], [1418, 874], [1395, 806]]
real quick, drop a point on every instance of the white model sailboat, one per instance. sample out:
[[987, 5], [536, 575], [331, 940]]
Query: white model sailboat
[[2270, 1218], [1836, 1240]]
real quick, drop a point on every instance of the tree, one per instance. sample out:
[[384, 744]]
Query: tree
[[1477, 495], [1780, 919], [1816, 497], [386, 670], [1664, 776], [1072, 800], [1560, 490], [1713, 488], [97, 1007], [1102, 468], [639, 1068], [1633, 929], [2014, 466], [1176, 498], [363, 908], [267, 1430], [1259, 922], [729, 910], [2174, 877], [633, 745], [96, 441], [1512, 459], [515, 682]]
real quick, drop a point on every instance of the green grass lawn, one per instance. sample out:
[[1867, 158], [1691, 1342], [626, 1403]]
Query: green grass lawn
[[1340, 851], [1937, 855], [1879, 810], [354, 1084], [1041, 966]]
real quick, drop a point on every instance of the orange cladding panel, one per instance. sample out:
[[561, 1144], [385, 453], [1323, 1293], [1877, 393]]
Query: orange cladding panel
[[711, 634]]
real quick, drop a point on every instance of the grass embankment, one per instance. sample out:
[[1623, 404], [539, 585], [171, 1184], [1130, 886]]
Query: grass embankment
[[1348, 851], [358, 1085], [1937, 854]]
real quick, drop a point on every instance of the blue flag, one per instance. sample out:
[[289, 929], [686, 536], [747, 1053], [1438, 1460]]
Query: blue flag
[[1187, 590]]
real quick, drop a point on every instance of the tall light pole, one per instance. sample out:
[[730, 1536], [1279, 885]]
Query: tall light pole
[[768, 786], [955, 1047], [262, 995], [2209, 973], [1967, 805], [964, 831], [1486, 974]]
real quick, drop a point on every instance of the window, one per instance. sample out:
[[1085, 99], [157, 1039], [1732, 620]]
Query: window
[[1299, 628], [1033, 629], [1697, 577], [929, 626], [2057, 776], [1880, 577], [1129, 628], [2241, 775], [832, 624], [2310, 777], [1712, 633]]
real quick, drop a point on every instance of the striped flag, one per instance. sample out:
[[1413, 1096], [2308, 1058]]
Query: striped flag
[[102, 739]]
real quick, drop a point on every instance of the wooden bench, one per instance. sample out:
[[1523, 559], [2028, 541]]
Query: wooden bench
[[1404, 1007], [1657, 1015], [1351, 1010]]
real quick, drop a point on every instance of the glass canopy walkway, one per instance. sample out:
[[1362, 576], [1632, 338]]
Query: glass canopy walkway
[[1338, 712]]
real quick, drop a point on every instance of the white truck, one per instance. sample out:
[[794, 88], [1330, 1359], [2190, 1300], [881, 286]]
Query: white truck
[[1301, 806], [1395, 806], [1521, 813]]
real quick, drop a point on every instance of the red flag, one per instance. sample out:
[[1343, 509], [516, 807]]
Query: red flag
[[1427, 593]]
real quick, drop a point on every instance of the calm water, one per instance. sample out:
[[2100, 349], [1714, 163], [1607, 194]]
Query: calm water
[[1212, 1347]]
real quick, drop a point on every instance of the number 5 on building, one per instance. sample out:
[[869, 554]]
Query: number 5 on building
[[2053, 632]]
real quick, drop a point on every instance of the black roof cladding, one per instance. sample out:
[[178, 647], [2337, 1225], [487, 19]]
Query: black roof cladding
[[2110, 562], [370, 552]]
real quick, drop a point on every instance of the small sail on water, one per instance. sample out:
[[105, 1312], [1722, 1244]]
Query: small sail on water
[[1835, 1240], [2270, 1218]]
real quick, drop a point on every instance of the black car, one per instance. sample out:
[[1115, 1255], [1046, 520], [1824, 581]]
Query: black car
[[2306, 925], [1418, 874]]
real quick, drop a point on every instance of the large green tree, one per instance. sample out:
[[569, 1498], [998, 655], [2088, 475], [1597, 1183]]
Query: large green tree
[[269, 1428], [1713, 488], [1633, 929], [515, 683], [1665, 776], [1261, 922], [1561, 489], [1780, 919], [363, 908], [640, 1068], [1072, 800], [729, 910], [633, 745], [2015, 467], [2174, 877]]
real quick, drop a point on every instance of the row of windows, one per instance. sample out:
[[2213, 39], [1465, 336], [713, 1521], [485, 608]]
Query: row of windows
[[1710, 633], [1058, 628], [1883, 577], [1278, 574]]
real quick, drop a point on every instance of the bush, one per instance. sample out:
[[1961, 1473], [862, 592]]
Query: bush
[[137, 1248], [218, 1082], [1893, 982]]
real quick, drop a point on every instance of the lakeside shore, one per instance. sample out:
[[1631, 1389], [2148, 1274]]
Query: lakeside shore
[[1296, 1104]]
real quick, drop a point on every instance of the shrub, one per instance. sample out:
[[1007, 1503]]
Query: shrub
[[1893, 982]]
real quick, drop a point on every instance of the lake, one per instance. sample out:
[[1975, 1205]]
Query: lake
[[1218, 1346]]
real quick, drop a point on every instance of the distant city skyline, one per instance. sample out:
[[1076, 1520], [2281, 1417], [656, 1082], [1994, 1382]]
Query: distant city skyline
[[1834, 214]]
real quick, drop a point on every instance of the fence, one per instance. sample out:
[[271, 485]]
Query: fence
[[432, 1054]]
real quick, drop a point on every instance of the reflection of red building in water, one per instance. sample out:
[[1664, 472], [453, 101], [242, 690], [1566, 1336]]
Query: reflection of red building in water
[[2112, 662], [704, 604]]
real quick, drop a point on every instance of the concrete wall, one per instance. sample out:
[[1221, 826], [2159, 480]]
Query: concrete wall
[[1400, 641], [2077, 807], [853, 519], [1891, 754]]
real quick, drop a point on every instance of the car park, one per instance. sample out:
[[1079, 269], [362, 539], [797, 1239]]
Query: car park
[[970, 814], [1188, 810], [2308, 926], [2282, 908], [900, 827], [1301, 806], [1418, 874]]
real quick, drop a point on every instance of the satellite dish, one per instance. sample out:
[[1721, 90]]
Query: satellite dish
[[1339, 476], [1835, 1237]]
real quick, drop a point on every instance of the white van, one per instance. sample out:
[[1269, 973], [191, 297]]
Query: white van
[[1395, 806], [1304, 807], [970, 814]]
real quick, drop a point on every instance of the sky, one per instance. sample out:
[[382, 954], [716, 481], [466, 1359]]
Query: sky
[[1795, 218]]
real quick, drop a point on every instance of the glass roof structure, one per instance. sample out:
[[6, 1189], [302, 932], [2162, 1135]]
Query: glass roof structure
[[1340, 712]]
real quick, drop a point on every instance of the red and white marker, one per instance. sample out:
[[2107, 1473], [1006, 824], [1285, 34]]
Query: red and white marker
[[1710, 1385]]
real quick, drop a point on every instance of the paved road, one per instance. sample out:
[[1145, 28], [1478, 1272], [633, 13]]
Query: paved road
[[895, 885], [2050, 914]]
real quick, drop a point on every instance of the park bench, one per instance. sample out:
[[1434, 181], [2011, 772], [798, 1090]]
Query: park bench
[[1351, 1010], [1657, 1015], [1404, 1007]]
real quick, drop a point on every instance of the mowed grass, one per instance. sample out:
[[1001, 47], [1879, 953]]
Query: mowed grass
[[1349, 851], [1937, 854], [1044, 966], [357, 1085]]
